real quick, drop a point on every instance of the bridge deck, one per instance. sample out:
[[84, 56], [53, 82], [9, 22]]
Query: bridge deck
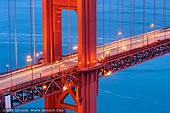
[[25, 75]]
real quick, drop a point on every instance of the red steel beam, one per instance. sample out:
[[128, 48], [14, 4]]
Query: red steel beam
[[64, 4]]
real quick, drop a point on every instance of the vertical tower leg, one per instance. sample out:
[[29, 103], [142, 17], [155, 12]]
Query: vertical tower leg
[[88, 93], [50, 102], [86, 32], [57, 30], [52, 31]]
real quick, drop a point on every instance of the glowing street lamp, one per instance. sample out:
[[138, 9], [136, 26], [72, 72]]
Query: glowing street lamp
[[109, 73], [124, 47], [41, 54], [29, 60], [7, 66], [58, 63], [44, 87], [79, 63], [107, 53], [75, 48], [151, 26], [37, 55], [118, 35], [65, 88]]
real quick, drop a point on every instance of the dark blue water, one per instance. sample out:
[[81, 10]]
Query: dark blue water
[[140, 89]]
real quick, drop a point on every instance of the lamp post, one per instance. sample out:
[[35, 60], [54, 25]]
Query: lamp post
[[7, 67], [62, 66], [151, 26], [29, 60], [107, 53], [75, 48], [41, 54], [58, 63], [118, 35], [40, 74], [37, 56]]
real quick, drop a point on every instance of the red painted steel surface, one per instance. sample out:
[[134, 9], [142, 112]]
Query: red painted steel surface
[[52, 46], [81, 82], [77, 81]]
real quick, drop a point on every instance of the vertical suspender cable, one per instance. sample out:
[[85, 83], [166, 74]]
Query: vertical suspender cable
[[143, 20], [164, 17], [154, 18], [163, 14], [31, 25], [15, 36], [117, 16], [10, 46], [122, 19], [131, 23], [122, 23], [103, 28], [69, 27], [134, 11], [34, 30], [117, 27], [9, 30], [110, 20]]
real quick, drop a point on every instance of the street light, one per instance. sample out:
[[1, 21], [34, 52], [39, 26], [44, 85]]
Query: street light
[[44, 87], [124, 47], [75, 48], [40, 74], [29, 60], [41, 54], [37, 55], [107, 53], [118, 35], [60, 67], [58, 63], [151, 26], [7, 66]]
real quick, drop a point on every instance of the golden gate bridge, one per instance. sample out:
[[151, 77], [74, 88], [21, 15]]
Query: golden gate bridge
[[56, 76]]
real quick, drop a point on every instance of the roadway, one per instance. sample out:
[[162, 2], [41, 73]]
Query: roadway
[[113, 48]]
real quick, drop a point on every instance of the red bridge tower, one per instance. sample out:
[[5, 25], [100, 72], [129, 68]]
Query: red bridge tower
[[85, 94]]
